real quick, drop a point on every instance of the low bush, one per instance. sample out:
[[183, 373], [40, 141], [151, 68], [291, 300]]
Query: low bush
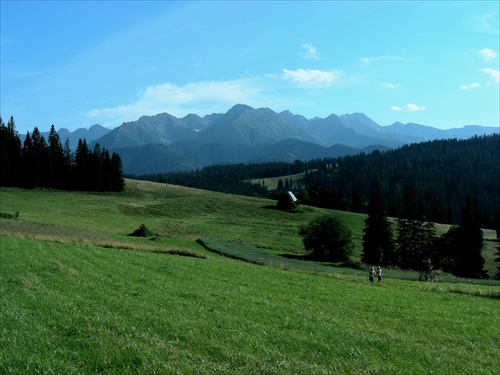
[[4, 215], [142, 231]]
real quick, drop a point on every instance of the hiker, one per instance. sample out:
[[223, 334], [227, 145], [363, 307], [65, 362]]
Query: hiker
[[379, 274], [372, 274]]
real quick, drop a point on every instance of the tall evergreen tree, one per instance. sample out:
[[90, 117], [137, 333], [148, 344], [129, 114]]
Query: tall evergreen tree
[[497, 260], [469, 260], [29, 178], [40, 159], [82, 171], [378, 245], [10, 153], [58, 168], [416, 235], [117, 183]]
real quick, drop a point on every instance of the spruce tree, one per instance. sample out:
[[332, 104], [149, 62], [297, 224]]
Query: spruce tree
[[39, 159], [10, 149], [497, 260], [83, 166], [469, 260], [378, 245], [117, 183], [58, 167], [416, 235], [28, 177]]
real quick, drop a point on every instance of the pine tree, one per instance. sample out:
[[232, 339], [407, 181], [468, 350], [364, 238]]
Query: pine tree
[[280, 185], [39, 159], [378, 245], [10, 149], [469, 260], [58, 168], [82, 172], [117, 183], [416, 235], [497, 260]]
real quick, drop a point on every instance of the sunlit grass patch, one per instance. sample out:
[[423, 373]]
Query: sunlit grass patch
[[130, 312], [85, 237]]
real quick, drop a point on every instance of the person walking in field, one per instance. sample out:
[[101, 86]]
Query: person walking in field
[[372, 274], [379, 274]]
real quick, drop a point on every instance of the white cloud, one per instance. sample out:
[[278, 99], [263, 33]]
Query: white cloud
[[408, 108], [494, 74], [389, 85], [487, 54], [199, 97], [471, 86], [310, 53], [310, 77]]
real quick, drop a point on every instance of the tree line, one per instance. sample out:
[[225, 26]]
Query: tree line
[[410, 243], [443, 172], [37, 163], [414, 245], [448, 181]]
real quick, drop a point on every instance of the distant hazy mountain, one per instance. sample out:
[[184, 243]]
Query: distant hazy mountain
[[90, 135], [243, 125], [160, 129], [245, 134]]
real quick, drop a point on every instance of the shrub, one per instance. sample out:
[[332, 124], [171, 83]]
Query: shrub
[[284, 202], [5, 215], [327, 238], [142, 231]]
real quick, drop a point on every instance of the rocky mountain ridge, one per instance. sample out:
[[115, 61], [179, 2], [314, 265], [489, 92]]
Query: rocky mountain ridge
[[244, 134]]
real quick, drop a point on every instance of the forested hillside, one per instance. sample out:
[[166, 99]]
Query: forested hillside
[[443, 172], [36, 163]]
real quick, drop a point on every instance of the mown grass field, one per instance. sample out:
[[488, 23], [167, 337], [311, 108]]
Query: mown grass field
[[78, 295]]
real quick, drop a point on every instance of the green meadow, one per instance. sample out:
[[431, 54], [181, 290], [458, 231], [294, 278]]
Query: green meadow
[[218, 289]]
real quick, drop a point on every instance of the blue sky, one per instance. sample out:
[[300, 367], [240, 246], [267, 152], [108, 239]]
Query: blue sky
[[77, 63]]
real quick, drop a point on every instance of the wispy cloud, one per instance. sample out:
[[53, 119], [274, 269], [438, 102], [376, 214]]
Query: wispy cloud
[[470, 86], [482, 23], [199, 97], [309, 52], [311, 78], [492, 73], [487, 54], [368, 60], [408, 108], [389, 85]]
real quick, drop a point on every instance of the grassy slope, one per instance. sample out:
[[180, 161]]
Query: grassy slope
[[69, 309], [70, 306]]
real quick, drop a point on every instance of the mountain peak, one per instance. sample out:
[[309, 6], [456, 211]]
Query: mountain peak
[[239, 108], [361, 119]]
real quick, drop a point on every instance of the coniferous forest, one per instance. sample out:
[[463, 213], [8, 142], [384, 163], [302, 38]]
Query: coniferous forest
[[443, 173], [37, 163], [447, 181]]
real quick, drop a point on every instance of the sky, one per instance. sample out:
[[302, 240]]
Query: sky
[[78, 63]]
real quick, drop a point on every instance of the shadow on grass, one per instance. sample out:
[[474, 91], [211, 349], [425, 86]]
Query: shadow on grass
[[251, 254]]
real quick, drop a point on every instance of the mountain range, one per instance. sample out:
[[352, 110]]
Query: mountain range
[[91, 134], [154, 144]]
